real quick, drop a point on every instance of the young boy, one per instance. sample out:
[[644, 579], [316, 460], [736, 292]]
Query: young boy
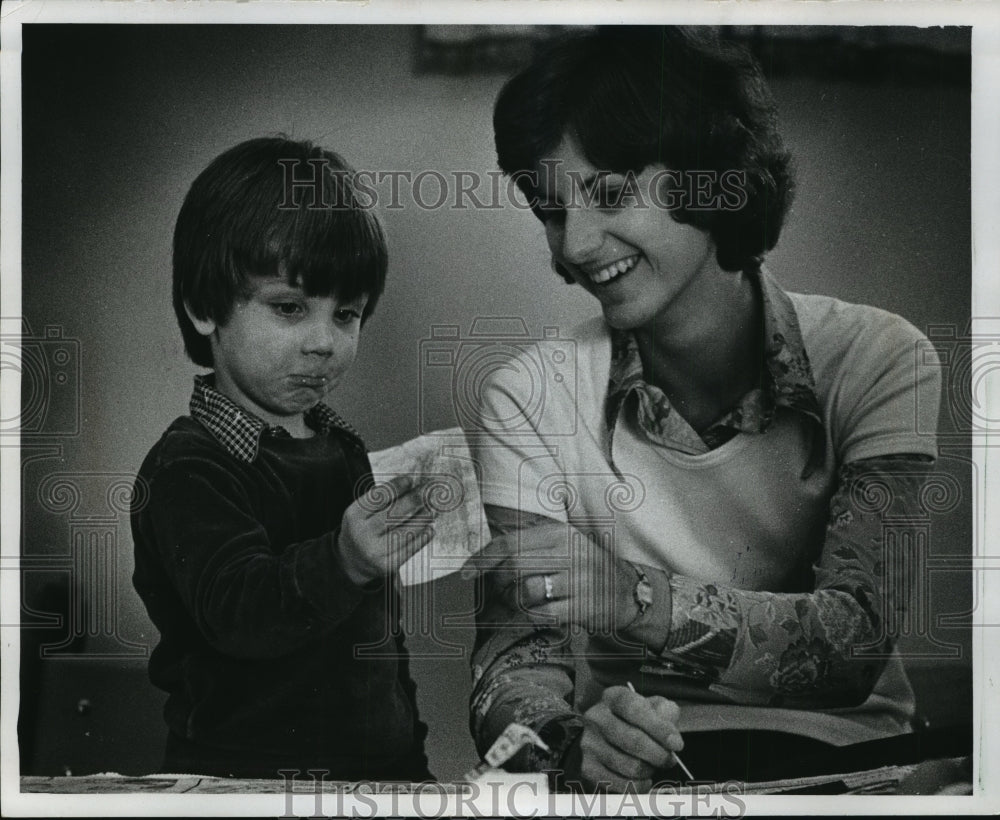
[[254, 562]]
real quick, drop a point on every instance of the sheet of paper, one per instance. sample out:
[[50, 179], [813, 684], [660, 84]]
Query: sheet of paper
[[445, 470]]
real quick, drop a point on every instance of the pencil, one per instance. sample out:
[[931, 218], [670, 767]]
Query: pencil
[[677, 758]]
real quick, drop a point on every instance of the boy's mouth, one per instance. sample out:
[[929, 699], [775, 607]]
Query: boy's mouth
[[303, 380], [609, 273]]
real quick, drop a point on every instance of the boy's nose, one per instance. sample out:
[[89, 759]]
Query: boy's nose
[[320, 339]]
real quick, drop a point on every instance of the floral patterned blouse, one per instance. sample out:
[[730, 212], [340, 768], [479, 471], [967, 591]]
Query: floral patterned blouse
[[800, 643]]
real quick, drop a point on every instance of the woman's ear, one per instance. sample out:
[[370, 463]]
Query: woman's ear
[[565, 274], [206, 327]]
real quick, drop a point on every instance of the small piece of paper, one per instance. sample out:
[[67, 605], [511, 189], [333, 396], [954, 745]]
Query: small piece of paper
[[445, 471], [514, 738]]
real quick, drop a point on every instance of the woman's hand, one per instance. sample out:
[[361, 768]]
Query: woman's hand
[[555, 571], [626, 739]]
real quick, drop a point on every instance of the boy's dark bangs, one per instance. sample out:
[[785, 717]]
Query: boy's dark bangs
[[333, 250], [315, 233]]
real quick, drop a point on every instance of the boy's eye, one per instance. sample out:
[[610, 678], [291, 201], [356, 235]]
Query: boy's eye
[[288, 308], [347, 314]]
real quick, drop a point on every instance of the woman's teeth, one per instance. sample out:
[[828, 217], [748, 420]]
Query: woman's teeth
[[614, 270]]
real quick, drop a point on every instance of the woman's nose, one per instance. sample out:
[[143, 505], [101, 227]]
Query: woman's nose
[[581, 236]]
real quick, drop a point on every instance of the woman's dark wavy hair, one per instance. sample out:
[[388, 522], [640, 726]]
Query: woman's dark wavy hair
[[235, 224], [635, 96]]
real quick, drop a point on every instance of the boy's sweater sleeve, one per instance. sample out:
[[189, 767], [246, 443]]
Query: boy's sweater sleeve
[[244, 599]]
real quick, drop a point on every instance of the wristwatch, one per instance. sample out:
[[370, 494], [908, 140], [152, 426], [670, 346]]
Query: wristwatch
[[643, 592]]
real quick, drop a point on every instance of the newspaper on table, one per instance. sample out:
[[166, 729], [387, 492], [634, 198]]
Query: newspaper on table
[[446, 473]]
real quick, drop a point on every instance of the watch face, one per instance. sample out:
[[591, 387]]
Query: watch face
[[643, 593]]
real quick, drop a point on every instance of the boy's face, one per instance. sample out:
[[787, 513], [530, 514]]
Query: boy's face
[[281, 351]]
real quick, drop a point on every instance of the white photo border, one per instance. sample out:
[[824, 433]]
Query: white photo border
[[982, 16]]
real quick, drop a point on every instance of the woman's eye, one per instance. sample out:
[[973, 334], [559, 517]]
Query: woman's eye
[[608, 198], [618, 192], [287, 308], [612, 199]]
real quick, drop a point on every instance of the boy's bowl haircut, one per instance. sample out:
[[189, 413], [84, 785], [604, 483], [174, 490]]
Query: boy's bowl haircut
[[272, 206]]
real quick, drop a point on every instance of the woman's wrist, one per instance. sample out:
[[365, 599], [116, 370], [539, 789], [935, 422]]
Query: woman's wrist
[[644, 604]]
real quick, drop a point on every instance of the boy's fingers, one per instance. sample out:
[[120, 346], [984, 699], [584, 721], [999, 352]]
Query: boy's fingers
[[400, 500], [402, 483], [385, 495], [408, 507], [411, 546]]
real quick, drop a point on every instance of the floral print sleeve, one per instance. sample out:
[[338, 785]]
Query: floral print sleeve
[[525, 675], [521, 673], [817, 649], [820, 649]]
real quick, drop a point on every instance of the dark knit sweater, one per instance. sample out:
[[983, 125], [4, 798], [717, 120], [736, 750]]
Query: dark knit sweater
[[271, 656]]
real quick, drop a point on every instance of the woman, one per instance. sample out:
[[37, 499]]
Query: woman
[[692, 518]]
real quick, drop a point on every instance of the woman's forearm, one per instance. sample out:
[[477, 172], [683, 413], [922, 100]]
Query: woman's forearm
[[820, 648]]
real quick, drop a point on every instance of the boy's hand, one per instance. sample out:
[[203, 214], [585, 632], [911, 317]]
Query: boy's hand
[[371, 544]]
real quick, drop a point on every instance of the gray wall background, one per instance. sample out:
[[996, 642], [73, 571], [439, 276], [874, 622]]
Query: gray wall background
[[118, 120]]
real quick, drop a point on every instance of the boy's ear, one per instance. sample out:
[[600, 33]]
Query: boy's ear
[[206, 327]]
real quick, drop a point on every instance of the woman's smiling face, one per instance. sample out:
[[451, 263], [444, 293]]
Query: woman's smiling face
[[627, 251]]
